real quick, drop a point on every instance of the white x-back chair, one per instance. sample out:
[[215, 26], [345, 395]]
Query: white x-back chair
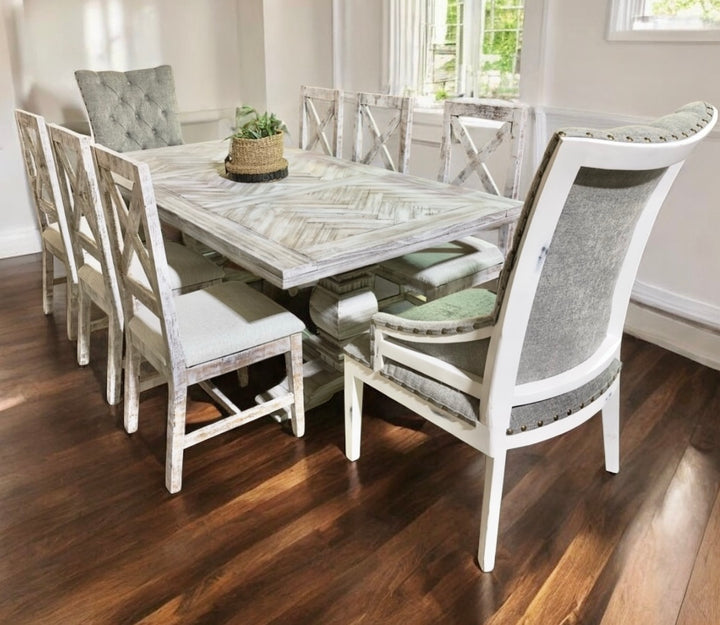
[[192, 337], [543, 355], [54, 233], [457, 265], [321, 119], [397, 128], [97, 281]]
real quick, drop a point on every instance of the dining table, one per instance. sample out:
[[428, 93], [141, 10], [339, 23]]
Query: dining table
[[323, 226]]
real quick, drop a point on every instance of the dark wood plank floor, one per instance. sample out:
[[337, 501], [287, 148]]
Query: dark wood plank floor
[[273, 529]]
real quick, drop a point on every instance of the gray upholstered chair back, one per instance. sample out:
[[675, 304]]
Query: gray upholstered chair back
[[577, 269], [134, 110]]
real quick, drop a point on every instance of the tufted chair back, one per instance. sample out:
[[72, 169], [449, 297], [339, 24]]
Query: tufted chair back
[[134, 110]]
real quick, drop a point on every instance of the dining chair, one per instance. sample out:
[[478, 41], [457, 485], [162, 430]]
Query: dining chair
[[542, 356], [54, 233], [192, 337], [321, 113], [97, 279], [133, 110], [470, 261], [397, 128]]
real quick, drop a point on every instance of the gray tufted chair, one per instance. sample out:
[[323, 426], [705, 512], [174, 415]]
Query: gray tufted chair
[[543, 355], [134, 110]]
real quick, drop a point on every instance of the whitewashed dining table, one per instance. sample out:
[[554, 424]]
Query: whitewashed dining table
[[325, 225]]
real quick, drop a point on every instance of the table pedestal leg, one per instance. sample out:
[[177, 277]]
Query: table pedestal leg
[[341, 307]]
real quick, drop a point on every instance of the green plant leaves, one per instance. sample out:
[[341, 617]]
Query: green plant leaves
[[249, 124]]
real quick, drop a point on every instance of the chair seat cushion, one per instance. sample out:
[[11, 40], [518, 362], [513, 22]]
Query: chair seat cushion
[[223, 319], [447, 262]]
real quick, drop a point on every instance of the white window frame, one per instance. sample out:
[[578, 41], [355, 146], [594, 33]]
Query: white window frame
[[620, 27], [405, 43]]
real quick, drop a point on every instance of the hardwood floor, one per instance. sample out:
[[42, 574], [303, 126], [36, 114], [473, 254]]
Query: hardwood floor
[[273, 529]]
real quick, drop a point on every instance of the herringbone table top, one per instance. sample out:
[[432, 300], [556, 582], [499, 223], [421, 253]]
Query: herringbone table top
[[329, 216]]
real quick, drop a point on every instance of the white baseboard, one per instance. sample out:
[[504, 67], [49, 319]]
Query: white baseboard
[[682, 325], [19, 242]]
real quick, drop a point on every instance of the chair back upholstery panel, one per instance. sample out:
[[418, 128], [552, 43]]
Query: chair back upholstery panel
[[133, 110], [321, 113], [571, 310], [138, 250], [565, 287]]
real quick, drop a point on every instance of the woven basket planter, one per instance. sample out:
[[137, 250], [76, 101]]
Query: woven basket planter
[[256, 160]]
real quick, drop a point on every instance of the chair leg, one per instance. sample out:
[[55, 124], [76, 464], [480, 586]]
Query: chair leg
[[611, 431], [48, 276], [132, 387], [83, 328], [353, 413], [490, 520], [114, 359], [294, 372], [71, 305], [175, 446], [243, 375]]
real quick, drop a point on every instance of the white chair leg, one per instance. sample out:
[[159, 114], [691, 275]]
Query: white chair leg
[[83, 328], [294, 372], [353, 412], [490, 520], [177, 405], [48, 277], [243, 375], [114, 359], [132, 387], [611, 430]]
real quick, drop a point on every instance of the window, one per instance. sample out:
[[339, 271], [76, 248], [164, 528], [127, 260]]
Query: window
[[664, 20], [446, 48]]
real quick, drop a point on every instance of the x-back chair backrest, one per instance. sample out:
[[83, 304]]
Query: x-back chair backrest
[[81, 203], [41, 172], [512, 118], [136, 241], [400, 123], [565, 288], [315, 125]]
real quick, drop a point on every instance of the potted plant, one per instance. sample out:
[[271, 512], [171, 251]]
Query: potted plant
[[256, 147]]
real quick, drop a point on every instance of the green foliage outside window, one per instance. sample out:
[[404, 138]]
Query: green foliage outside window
[[710, 8]]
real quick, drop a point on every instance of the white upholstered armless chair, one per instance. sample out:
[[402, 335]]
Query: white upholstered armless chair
[[543, 355], [398, 128], [321, 120], [54, 232], [193, 337], [97, 281], [457, 265]]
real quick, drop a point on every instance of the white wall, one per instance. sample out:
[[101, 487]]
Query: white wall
[[223, 53], [583, 73]]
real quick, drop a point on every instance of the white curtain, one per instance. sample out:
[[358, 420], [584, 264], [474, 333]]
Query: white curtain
[[406, 45]]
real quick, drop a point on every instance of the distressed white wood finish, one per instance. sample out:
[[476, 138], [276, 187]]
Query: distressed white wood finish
[[328, 217], [400, 124], [139, 256], [327, 223], [509, 120], [97, 279], [316, 124], [497, 391], [54, 233]]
